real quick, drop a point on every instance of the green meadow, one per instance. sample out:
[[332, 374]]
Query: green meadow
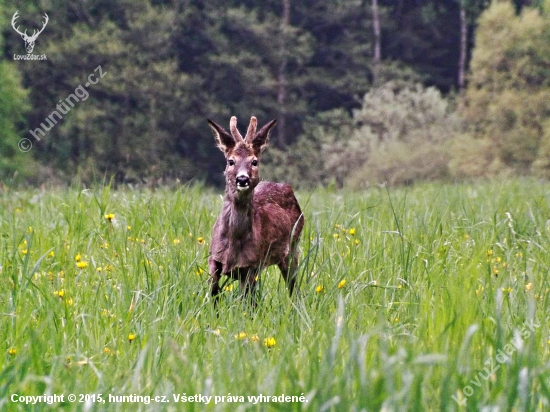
[[427, 298]]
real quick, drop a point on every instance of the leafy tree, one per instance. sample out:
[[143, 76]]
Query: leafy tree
[[170, 65], [13, 107], [131, 123], [402, 133], [508, 98]]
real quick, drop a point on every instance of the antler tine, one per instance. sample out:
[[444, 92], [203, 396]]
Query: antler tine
[[37, 32], [14, 18], [251, 132], [234, 131]]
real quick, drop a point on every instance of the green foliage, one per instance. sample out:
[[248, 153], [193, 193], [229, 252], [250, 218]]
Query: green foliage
[[508, 98], [125, 126], [405, 134], [316, 158], [171, 65], [405, 298], [13, 105], [400, 135]]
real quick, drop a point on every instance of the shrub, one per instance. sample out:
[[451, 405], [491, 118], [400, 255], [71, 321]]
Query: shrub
[[405, 133]]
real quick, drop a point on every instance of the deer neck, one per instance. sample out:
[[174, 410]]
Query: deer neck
[[238, 217]]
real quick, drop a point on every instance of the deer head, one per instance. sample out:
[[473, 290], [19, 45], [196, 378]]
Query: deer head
[[29, 40], [242, 155]]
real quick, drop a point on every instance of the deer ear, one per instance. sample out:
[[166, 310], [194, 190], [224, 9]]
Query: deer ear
[[261, 139], [224, 140]]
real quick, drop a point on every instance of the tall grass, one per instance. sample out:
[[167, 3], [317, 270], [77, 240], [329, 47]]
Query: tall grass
[[406, 298]]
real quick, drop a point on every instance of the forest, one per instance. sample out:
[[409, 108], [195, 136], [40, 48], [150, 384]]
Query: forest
[[364, 92]]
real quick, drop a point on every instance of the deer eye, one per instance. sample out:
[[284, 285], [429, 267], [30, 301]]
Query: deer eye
[[254, 162], [231, 162]]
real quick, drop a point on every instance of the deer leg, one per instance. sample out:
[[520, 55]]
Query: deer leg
[[215, 275], [288, 270]]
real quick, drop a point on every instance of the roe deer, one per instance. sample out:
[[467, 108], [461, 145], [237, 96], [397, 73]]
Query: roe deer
[[260, 222]]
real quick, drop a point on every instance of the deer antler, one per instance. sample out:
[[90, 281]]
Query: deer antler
[[251, 132], [234, 131], [36, 33], [15, 17]]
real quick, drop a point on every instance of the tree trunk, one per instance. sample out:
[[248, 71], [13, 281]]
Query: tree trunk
[[377, 40], [281, 80], [463, 51]]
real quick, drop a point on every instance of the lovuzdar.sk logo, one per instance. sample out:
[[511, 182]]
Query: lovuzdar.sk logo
[[29, 40]]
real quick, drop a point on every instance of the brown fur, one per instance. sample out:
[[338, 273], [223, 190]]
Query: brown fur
[[259, 226]]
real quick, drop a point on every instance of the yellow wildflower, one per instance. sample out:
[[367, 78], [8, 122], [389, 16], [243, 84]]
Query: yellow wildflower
[[82, 265], [352, 231], [106, 350], [200, 240], [241, 336], [176, 241], [109, 216], [12, 351], [131, 337], [270, 342], [320, 289], [342, 284], [529, 286], [78, 257], [51, 254]]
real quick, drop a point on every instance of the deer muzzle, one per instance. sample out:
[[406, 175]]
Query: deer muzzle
[[243, 182]]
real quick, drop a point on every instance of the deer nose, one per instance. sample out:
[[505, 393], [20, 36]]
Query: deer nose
[[243, 182]]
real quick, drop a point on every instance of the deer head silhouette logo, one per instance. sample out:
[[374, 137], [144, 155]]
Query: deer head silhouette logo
[[29, 40]]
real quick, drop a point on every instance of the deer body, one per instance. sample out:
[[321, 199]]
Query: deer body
[[260, 222]]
